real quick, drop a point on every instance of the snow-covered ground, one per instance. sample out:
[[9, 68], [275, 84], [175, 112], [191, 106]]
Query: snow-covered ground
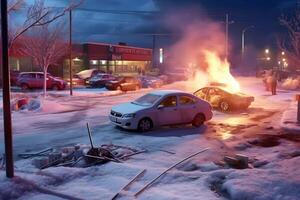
[[289, 120], [274, 155]]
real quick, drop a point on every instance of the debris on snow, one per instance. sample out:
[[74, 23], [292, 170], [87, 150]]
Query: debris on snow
[[237, 162]]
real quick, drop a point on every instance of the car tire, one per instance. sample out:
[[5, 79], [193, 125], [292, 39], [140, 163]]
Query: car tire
[[198, 120], [224, 106], [145, 125], [55, 87], [119, 88], [24, 86]]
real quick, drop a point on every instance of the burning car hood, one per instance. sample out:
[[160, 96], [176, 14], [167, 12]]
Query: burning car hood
[[127, 108]]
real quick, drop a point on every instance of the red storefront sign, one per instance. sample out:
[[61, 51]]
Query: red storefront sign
[[100, 51]]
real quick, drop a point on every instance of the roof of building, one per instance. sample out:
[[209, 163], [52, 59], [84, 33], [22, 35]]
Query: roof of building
[[116, 45]]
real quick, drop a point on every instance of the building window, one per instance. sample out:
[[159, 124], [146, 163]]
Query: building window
[[94, 62]]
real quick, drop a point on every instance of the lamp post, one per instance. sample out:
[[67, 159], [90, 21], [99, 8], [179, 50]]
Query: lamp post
[[243, 38]]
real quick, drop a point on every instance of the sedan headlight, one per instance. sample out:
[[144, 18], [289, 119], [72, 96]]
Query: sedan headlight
[[131, 115]]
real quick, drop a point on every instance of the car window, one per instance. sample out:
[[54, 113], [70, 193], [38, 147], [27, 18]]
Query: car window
[[212, 92], [186, 100], [201, 93], [169, 101], [28, 75], [40, 75], [129, 80], [148, 99]]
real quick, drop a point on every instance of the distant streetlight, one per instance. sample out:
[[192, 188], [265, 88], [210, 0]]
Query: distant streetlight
[[267, 51], [268, 58], [243, 38], [283, 53]]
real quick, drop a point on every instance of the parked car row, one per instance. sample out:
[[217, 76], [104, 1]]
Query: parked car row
[[88, 78]]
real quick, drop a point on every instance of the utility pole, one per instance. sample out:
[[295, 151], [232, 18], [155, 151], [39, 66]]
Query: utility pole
[[227, 23], [243, 39], [70, 52], [9, 161], [153, 50]]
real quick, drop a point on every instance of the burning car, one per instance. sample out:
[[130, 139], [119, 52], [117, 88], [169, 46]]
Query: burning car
[[224, 100]]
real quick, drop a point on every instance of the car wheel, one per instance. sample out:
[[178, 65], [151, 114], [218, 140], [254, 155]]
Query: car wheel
[[119, 88], [24, 86], [145, 125], [198, 120], [55, 87], [224, 106]]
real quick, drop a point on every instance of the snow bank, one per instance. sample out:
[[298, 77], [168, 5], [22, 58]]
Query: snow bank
[[279, 180], [289, 119], [291, 83]]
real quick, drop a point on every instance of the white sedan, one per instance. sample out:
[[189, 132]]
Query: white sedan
[[159, 108]]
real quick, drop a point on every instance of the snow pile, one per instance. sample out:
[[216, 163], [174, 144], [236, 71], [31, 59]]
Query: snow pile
[[291, 83], [279, 180], [289, 119]]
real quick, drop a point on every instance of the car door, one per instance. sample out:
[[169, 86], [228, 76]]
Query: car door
[[127, 84], [214, 97], [187, 108], [168, 112]]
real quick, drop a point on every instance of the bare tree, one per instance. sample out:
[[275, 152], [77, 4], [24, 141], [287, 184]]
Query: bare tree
[[46, 46], [290, 44], [37, 15]]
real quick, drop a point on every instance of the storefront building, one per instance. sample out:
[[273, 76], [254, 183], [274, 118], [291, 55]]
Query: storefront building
[[108, 58]]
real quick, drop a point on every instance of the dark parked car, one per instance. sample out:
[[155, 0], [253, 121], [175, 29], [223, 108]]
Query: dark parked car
[[81, 78], [223, 100], [125, 83], [151, 82], [35, 80], [100, 80]]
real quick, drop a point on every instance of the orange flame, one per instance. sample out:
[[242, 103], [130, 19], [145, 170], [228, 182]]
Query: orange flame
[[219, 71]]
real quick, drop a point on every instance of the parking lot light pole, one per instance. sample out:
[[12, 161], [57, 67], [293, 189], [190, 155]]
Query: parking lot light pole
[[6, 94], [298, 109], [243, 38], [70, 49]]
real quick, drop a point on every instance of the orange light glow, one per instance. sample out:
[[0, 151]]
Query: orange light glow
[[219, 71]]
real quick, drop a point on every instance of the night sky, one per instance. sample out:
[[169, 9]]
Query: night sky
[[93, 23]]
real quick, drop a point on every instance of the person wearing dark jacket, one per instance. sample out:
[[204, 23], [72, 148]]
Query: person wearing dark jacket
[[274, 83]]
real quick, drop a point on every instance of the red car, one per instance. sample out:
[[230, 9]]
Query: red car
[[35, 80]]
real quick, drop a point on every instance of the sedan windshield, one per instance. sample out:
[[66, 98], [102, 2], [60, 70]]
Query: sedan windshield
[[147, 100]]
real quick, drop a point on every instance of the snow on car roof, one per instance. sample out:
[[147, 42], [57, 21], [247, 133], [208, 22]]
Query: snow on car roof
[[166, 92]]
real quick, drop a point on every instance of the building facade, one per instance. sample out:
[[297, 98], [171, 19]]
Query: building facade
[[109, 58]]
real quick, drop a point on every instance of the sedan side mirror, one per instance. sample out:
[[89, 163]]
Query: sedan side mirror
[[159, 107]]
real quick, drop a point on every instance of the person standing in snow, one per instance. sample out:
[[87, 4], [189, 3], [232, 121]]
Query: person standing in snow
[[273, 80]]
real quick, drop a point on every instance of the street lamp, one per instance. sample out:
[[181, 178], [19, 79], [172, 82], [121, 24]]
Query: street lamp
[[267, 51], [243, 38]]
